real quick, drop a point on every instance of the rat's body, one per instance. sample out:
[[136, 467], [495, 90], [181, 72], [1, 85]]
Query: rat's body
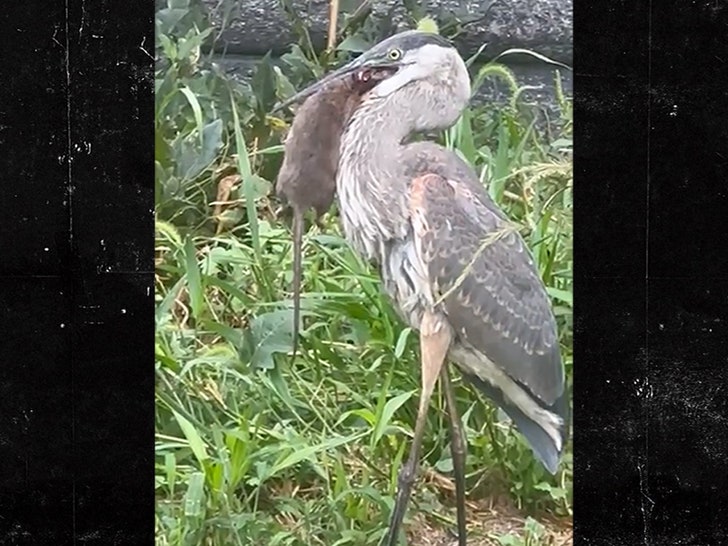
[[307, 178]]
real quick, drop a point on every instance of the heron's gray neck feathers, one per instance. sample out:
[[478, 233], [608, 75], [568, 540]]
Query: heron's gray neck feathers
[[371, 183]]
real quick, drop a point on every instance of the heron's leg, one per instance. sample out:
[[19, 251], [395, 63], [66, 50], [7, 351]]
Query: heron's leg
[[457, 446], [434, 342]]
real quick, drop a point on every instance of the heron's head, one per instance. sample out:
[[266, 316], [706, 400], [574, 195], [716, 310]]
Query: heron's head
[[429, 85]]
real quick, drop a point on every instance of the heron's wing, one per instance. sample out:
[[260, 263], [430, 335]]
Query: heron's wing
[[485, 278]]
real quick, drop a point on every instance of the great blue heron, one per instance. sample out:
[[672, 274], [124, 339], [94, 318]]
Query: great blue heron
[[449, 259]]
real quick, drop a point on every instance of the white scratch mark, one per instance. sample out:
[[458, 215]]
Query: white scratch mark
[[84, 146], [647, 503], [643, 388], [83, 17], [54, 37], [144, 50]]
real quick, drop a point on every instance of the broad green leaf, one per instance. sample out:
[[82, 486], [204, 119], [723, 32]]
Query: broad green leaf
[[354, 44], [192, 156], [388, 412], [264, 85], [266, 335], [195, 496]]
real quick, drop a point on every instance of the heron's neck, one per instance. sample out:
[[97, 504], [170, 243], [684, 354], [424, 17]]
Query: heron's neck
[[372, 144], [372, 185], [374, 127]]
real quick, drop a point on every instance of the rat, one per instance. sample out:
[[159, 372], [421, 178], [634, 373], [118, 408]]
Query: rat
[[307, 178]]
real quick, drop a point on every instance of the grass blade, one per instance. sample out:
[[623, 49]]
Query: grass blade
[[196, 109], [194, 279], [539, 56], [299, 455], [248, 186], [197, 445]]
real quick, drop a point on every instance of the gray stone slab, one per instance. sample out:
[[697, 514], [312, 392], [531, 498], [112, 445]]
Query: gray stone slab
[[257, 26], [540, 76]]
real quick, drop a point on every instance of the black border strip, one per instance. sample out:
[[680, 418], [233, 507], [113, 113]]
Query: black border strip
[[651, 287], [77, 370]]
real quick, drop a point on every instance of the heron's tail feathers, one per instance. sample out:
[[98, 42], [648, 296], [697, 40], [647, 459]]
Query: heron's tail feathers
[[546, 430]]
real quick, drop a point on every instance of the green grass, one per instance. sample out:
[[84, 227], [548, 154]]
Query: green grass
[[253, 448]]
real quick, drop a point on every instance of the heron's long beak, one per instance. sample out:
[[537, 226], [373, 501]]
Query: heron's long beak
[[349, 68]]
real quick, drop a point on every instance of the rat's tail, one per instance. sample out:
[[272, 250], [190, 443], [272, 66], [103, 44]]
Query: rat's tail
[[297, 251]]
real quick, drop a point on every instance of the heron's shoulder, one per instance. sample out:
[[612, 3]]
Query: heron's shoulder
[[427, 157]]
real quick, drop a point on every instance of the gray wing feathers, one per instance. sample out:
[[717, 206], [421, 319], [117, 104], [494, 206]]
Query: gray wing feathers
[[487, 282]]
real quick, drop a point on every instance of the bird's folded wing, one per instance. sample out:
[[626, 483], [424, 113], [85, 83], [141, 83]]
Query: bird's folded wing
[[486, 281]]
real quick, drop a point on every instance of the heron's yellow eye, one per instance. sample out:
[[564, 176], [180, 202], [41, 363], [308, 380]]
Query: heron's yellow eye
[[394, 54]]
